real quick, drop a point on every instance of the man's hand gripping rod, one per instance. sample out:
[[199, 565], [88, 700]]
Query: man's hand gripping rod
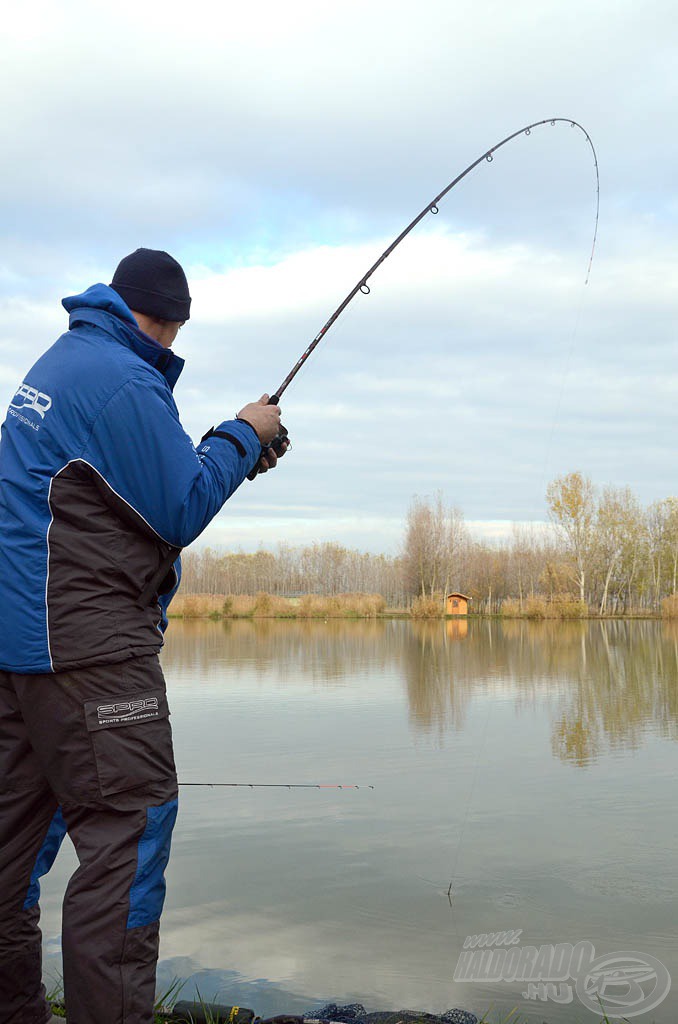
[[279, 443]]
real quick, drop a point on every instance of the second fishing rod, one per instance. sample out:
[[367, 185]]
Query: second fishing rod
[[279, 442]]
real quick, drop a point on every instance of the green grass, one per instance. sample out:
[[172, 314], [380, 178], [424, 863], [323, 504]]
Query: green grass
[[161, 1008], [164, 1002]]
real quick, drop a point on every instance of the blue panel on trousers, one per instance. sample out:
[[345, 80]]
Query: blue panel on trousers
[[147, 894], [46, 857]]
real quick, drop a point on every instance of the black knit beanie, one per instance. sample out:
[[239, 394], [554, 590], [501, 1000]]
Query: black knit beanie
[[151, 282]]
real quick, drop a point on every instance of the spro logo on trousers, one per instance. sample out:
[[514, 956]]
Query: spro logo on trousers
[[144, 707]]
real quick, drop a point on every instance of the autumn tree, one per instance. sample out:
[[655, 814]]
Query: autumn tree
[[572, 508]]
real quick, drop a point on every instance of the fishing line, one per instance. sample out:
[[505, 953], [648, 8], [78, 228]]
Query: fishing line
[[574, 124], [564, 381], [564, 375], [481, 751]]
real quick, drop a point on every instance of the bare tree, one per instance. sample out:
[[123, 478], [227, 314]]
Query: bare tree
[[610, 526], [434, 540]]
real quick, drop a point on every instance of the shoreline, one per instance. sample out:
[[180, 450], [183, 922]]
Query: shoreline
[[404, 614]]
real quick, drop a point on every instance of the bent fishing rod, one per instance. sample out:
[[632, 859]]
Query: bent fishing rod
[[432, 207]]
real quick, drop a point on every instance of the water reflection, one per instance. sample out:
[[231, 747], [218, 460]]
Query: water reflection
[[318, 650], [623, 687], [611, 683], [528, 763]]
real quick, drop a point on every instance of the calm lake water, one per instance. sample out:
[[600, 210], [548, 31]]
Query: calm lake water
[[532, 766]]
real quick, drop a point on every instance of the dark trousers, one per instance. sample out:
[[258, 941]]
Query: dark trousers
[[88, 752]]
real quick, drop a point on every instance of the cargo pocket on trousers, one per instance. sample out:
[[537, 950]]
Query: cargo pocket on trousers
[[132, 740]]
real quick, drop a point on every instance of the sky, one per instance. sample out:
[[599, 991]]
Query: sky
[[276, 149]]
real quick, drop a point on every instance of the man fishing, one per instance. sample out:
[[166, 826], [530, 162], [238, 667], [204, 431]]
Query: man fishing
[[100, 489]]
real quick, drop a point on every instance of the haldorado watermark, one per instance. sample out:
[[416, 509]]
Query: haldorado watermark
[[623, 983]]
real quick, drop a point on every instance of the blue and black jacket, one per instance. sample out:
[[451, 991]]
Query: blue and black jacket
[[100, 488]]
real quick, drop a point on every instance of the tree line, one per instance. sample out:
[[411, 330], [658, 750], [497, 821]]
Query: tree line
[[603, 548]]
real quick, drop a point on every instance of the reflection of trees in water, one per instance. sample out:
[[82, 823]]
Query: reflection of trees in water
[[322, 651], [615, 681], [442, 675], [439, 667], [626, 686]]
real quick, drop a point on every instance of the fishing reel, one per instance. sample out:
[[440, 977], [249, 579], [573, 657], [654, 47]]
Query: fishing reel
[[278, 446]]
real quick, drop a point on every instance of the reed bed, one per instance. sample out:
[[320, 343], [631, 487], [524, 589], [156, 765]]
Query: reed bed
[[670, 607], [428, 607], [560, 607], [268, 606]]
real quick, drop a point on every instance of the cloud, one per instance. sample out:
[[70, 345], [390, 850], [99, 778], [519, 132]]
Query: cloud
[[267, 123], [277, 150]]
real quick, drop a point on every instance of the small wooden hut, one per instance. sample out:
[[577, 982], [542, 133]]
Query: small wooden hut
[[457, 604]]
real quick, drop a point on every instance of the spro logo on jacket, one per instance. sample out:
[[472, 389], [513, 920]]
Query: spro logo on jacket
[[27, 397]]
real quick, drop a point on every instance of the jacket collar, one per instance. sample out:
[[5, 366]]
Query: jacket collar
[[102, 306]]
